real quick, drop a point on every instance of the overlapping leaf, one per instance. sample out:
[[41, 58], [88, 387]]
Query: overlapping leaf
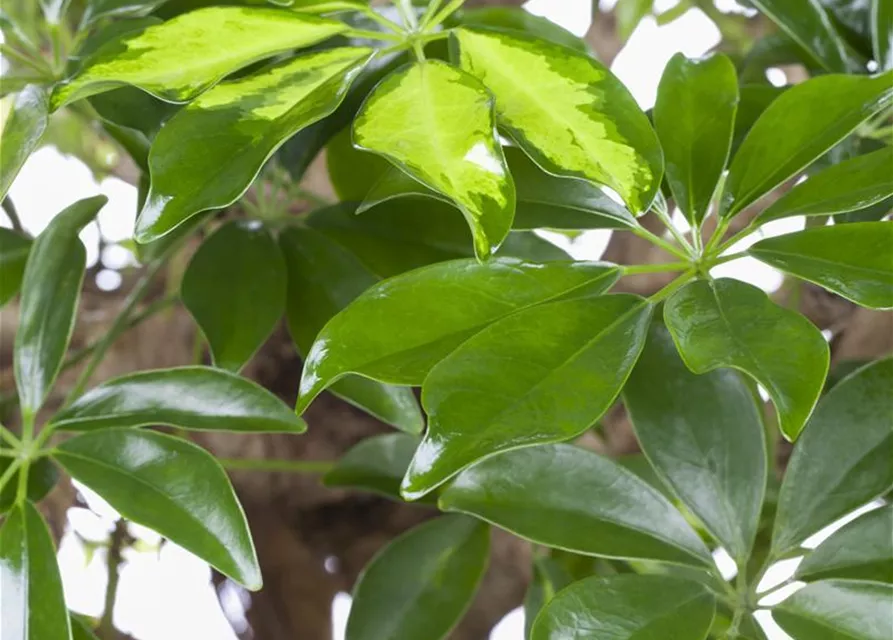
[[14, 249], [22, 130], [567, 111], [376, 464], [835, 609], [810, 26], [882, 33]]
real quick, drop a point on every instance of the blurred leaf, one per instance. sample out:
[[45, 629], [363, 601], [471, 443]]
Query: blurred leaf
[[14, 249], [549, 577], [807, 23], [22, 130], [376, 464], [42, 477], [836, 609]]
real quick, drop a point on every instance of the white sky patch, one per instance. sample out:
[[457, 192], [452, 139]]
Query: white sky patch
[[573, 15], [480, 155]]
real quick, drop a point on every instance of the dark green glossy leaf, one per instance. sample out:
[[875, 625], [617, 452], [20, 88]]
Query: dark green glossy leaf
[[22, 130], [33, 605], [50, 290], [842, 461], [437, 308], [694, 116], [129, 107], [542, 200], [838, 610], [323, 278], [727, 323], [544, 374], [569, 498], [354, 172], [207, 155], [216, 41], [882, 33], [510, 19], [456, 154], [766, 159], [234, 287], [549, 577], [851, 185], [704, 436], [80, 630], [171, 486], [199, 398], [853, 260], [567, 111], [628, 608], [14, 249], [860, 550], [42, 477], [420, 585], [376, 464], [753, 99], [809, 25]]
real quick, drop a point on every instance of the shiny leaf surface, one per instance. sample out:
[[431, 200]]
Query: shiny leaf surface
[[810, 26], [420, 585], [50, 290], [570, 498], [22, 129], [544, 374], [508, 18], [199, 398], [208, 154], [694, 117], [766, 159], [323, 278], [455, 152], [727, 323], [376, 464], [704, 436], [216, 41], [234, 287], [838, 609], [842, 460], [851, 185], [33, 605], [753, 99], [853, 260], [437, 308], [171, 486], [628, 608], [860, 550], [14, 249], [882, 33], [567, 111]]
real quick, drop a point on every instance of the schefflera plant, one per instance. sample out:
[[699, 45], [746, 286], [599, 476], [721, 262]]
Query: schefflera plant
[[517, 350]]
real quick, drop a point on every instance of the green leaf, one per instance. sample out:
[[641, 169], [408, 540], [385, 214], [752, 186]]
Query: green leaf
[[22, 129], [33, 605], [542, 200], [353, 172], [860, 550], [216, 41], [456, 153], [200, 398], [694, 117], [195, 167], [510, 19], [727, 323], [850, 185], [50, 290], [753, 100], [842, 461], [171, 486], [629, 14], [80, 630], [853, 260], [809, 25], [766, 158], [544, 374], [14, 249], [703, 434], [630, 607], [234, 287], [437, 308], [838, 609], [42, 477], [882, 33], [569, 498], [376, 464], [549, 577], [567, 111], [323, 278], [421, 584]]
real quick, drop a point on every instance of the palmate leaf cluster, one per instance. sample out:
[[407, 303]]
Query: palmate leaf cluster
[[450, 135]]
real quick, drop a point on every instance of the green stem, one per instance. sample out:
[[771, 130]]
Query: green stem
[[736, 238], [292, 466], [119, 325], [10, 437], [407, 13], [728, 258], [372, 35], [669, 247], [717, 236], [13, 215], [35, 65], [430, 11], [9, 473], [660, 209], [671, 288], [8, 453], [654, 268], [445, 13], [375, 16]]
